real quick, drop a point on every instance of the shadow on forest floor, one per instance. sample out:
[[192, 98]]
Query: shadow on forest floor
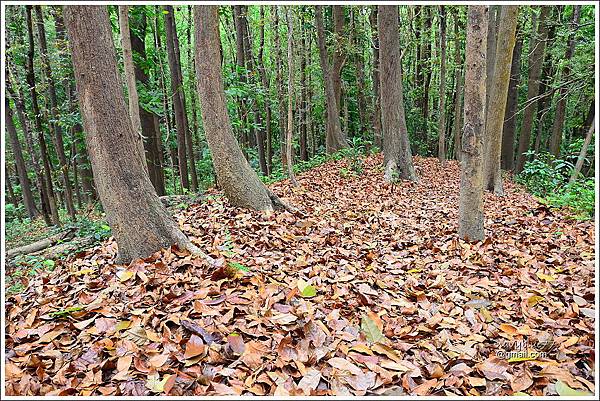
[[370, 292]]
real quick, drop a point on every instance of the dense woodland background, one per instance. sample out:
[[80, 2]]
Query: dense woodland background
[[549, 111]]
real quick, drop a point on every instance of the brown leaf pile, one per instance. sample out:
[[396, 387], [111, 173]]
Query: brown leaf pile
[[401, 305]]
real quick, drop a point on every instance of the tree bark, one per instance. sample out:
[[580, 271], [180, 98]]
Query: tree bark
[[56, 128], [279, 84], [582, 153], [19, 161], [177, 89], [234, 175], [290, 117], [459, 82], [559, 119], [378, 138], [31, 83], [339, 55], [140, 223], [498, 84], [335, 139], [470, 210], [266, 86], [148, 120], [510, 117], [426, 58], [492, 38], [442, 101], [304, 61], [134, 105], [396, 147], [536, 59]]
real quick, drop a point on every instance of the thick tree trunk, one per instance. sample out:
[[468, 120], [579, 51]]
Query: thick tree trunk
[[510, 116], [19, 161], [375, 77], [582, 153], [442, 101], [148, 120], [56, 128], [140, 223], [536, 59], [239, 182], [505, 42], [559, 119], [177, 89], [134, 104], [396, 148], [492, 38], [470, 210], [335, 139], [30, 77], [290, 117]]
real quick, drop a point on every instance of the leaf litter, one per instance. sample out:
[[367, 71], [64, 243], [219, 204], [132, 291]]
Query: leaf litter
[[365, 290]]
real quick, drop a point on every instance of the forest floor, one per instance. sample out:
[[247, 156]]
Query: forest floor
[[365, 290]]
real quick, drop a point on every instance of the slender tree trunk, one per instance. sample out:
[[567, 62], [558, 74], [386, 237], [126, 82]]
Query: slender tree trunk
[[304, 56], [176, 87], [134, 105], [505, 43], [396, 148], [442, 102], [589, 119], [510, 116], [279, 84], [141, 225], [375, 77], [582, 153], [335, 139], [559, 119], [459, 81], [470, 209], [148, 120], [426, 57], [361, 103], [30, 77], [536, 59], [19, 161], [239, 182], [290, 117], [12, 198], [339, 55], [266, 86]]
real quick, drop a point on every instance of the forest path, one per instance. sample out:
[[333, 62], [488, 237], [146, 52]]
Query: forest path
[[400, 304]]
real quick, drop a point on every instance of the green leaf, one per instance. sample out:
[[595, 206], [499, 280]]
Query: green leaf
[[564, 390], [306, 290], [372, 332], [238, 266]]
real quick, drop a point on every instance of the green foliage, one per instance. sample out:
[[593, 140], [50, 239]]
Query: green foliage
[[548, 179]]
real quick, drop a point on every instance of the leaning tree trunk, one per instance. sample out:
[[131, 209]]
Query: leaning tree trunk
[[470, 209], [335, 139], [510, 115], [19, 161], [505, 42], [234, 175], [442, 104], [140, 223], [559, 119], [536, 59], [582, 153], [56, 128], [396, 147]]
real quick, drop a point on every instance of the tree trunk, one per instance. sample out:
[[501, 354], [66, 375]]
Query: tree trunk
[[304, 61], [559, 119], [536, 59], [140, 223], [19, 161], [134, 105], [31, 83], [339, 55], [335, 139], [510, 116], [279, 84], [12, 198], [492, 38], [458, 98], [290, 117], [265, 83], [177, 89], [239, 182], [470, 209], [426, 58], [442, 104], [582, 153], [505, 43], [148, 120], [396, 148], [56, 128], [375, 77]]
